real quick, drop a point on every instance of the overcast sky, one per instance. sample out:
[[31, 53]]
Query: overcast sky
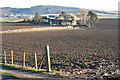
[[88, 4]]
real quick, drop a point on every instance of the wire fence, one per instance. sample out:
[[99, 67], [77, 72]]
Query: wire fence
[[11, 59]]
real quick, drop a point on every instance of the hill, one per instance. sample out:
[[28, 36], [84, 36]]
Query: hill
[[45, 9]]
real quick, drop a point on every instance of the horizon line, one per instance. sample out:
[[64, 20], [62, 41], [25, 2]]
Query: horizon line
[[59, 6]]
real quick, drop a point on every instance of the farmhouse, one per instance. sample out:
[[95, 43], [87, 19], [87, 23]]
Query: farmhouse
[[60, 21], [63, 22]]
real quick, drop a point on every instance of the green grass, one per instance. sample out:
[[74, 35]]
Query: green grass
[[9, 74], [26, 69], [30, 69], [108, 16], [21, 67], [10, 19]]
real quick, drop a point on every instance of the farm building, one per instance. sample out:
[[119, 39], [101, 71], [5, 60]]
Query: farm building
[[64, 20]]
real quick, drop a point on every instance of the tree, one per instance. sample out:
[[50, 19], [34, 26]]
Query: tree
[[25, 19], [66, 16], [84, 13], [92, 18], [30, 19], [37, 18]]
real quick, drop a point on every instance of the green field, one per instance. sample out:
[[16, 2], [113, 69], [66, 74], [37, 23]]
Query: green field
[[108, 16], [10, 19]]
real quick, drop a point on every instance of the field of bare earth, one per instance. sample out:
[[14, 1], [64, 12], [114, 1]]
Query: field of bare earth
[[78, 53], [102, 24], [13, 25]]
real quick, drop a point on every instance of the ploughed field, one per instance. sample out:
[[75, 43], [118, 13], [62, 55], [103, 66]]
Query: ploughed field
[[78, 53], [102, 24], [12, 26]]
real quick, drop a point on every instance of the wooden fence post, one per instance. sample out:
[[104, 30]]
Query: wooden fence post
[[36, 62], [41, 62], [5, 56], [12, 57], [48, 65], [24, 59]]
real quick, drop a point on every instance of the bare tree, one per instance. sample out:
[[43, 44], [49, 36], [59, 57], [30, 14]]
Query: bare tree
[[84, 13]]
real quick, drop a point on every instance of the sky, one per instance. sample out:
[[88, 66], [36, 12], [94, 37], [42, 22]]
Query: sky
[[108, 5]]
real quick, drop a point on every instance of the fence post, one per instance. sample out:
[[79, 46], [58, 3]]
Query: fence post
[[41, 62], [24, 59], [48, 65], [5, 56], [36, 62], [12, 57]]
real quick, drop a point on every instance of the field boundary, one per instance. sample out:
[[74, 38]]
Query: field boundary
[[24, 68], [47, 55], [25, 72], [40, 29]]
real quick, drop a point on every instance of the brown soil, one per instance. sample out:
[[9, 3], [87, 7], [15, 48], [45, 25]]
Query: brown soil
[[102, 24], [11, 26], [69, 50]]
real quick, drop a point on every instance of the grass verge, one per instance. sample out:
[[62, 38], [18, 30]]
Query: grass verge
[[8, 73], [30, 69]]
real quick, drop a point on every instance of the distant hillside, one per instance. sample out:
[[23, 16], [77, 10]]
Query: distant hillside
[[45, 9]]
